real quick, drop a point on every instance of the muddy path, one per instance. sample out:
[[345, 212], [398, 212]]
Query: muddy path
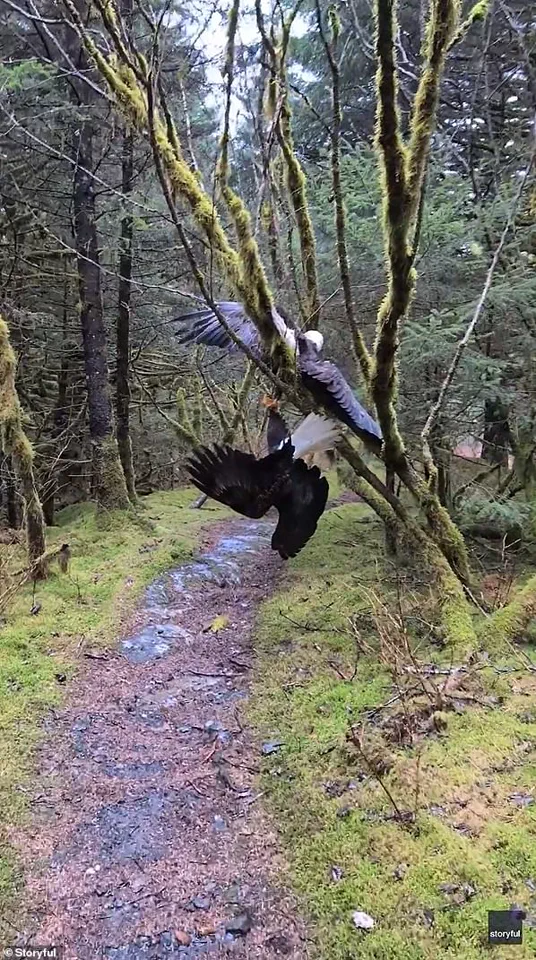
[[149, 839]]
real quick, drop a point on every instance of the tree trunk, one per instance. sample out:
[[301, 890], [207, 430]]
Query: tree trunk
[[390, 530], [496, 432], [61, 419], [16, 444], [123, 321], [10, 494], [109, 481]]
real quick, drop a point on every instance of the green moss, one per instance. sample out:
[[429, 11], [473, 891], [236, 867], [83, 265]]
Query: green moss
[[111, 487], [512, 621], [467, 831], [110, 566]]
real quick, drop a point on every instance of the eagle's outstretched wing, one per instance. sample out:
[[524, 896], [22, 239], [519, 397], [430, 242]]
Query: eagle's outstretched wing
[[208, 330], [237, 479], [300, 505], [328, 386]]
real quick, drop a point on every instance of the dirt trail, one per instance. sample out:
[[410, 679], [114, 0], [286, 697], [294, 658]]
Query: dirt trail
[[149, 839]]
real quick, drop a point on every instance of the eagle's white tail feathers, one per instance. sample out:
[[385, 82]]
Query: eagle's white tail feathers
[[315, 435]]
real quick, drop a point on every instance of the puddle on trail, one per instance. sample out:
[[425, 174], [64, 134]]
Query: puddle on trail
[[221, 565], [139, 828], [166, 945]]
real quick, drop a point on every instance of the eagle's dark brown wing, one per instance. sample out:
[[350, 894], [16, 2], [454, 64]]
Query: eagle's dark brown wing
[[327, 385], [237, 479], [208, 330], [300, 504]]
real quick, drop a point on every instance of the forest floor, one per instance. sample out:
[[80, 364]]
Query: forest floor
[[147, 838], [265, 742]]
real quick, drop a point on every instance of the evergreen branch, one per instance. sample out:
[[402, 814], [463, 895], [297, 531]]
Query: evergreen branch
[[436, 409]]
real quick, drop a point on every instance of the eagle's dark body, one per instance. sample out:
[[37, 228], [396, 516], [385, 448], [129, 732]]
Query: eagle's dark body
[[251, 487]]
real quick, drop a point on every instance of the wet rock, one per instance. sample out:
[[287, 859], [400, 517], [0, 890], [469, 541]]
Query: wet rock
[[201, 903], [138, 829], [272, 746], [521, 799], [152, 642], [362, 921], [166, 941], [240, 924], [133, 771]]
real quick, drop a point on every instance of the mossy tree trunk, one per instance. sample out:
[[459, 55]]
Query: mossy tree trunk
[[123, 320], [125, 297], [110, 488], [15, 444]]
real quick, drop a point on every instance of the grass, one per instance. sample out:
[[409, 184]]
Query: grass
[[112, 561], [339, 610]]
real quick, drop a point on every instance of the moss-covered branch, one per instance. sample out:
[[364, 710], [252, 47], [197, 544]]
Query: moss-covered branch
[[15, 444], [403, 177], [279, 105], [477, 14], [251, 264], [362, 355], [440, 30], [401, 278]]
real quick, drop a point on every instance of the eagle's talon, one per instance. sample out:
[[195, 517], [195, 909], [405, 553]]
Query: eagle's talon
[[270, 403]]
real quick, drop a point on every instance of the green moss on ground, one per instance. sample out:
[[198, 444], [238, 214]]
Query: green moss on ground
[[114, 556], [467, 831]]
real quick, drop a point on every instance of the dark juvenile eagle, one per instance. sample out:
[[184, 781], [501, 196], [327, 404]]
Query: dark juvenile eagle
[[281, 479], [320, 377]]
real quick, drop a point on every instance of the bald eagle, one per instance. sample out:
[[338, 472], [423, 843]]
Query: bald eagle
[[281, 479], [320, 377]]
